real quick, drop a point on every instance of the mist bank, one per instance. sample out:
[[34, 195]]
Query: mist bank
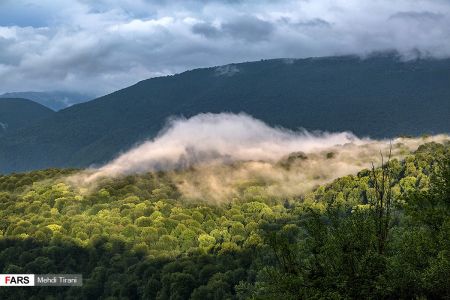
[[212, 155], [218, 138]]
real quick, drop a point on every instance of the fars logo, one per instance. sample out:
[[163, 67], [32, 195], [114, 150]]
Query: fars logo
[[16, 279]]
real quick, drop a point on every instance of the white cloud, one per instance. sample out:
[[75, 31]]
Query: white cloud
[[219, 137], [104, 45], [210, 155]]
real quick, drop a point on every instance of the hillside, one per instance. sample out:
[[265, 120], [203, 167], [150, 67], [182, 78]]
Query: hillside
[[138, 237], [380, 96], [54, 100], [16, 113]]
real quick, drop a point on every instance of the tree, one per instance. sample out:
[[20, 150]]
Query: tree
[[381, 202]]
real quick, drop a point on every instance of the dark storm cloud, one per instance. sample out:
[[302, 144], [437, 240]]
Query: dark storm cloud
[[100, 46], [420, 16], [207, 30], [314, 22], [248, 28]]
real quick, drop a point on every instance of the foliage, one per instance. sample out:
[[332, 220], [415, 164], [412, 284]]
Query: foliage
[[138, 237]]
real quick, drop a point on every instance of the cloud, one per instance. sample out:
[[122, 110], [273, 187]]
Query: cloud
[[100, 46], [207, 30], [227, 70], [314, 22], [419, 16], [223, 137], [248, 28], [210, 156]]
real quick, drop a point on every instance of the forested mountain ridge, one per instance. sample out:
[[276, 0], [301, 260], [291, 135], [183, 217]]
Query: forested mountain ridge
[[55, 100], [138, 237], [16, 113], [380, 96]]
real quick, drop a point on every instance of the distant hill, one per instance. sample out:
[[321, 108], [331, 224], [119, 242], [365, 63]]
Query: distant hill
[[55, 100], [380, 96], [17, 113]]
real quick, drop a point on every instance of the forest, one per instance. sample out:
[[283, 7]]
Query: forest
[[382, 233]]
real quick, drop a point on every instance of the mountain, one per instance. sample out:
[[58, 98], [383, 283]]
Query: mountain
[[380, 96], [17, 113], [56, 100]]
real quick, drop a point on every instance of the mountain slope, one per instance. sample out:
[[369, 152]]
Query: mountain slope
[[54, 100], [380, 96], [16, 113]]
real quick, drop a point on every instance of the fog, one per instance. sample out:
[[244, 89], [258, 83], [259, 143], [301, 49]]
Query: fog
[[211, 156]]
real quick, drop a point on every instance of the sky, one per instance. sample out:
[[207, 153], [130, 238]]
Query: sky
[[97, 47]]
